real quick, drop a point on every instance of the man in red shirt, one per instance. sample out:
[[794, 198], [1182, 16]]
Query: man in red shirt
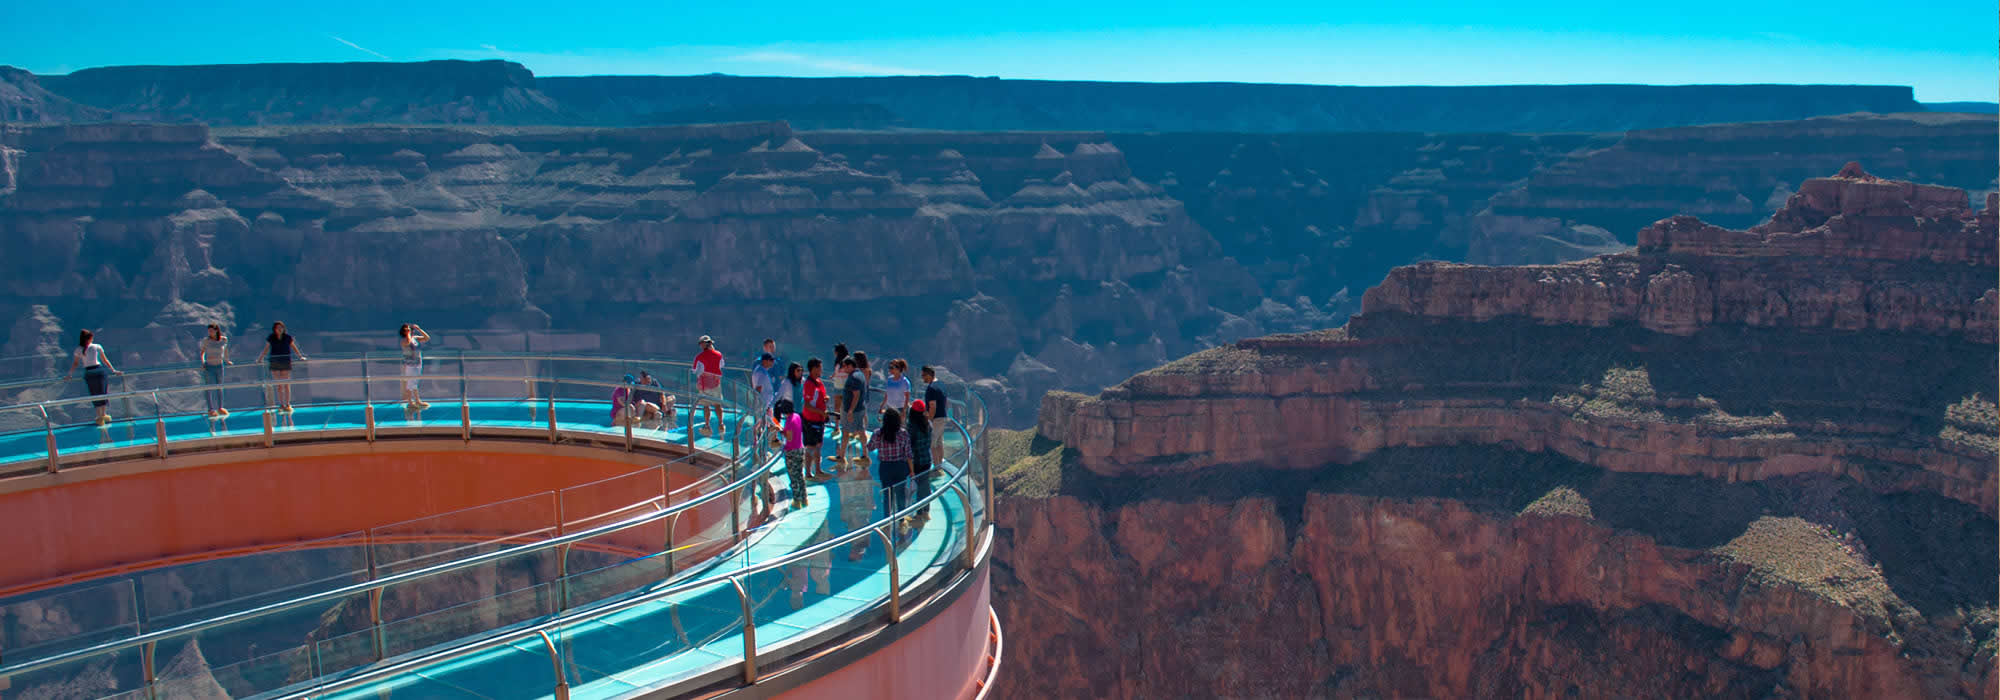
[[708, 384], [813, 415]]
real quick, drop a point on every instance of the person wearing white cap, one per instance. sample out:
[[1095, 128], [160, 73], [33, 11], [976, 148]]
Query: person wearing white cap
[[708, 385]]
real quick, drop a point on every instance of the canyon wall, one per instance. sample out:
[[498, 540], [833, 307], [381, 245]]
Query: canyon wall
[[1729, 463], [502, 92], [1028, 260]]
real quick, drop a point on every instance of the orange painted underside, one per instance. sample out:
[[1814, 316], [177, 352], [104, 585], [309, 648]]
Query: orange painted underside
[[77, 531]]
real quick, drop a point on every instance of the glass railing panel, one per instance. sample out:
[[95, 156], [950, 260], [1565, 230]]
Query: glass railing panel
[[432, 540], [684, 633], [111, 674], [24, 445], [73, 617], [200, 590], [189, 670]]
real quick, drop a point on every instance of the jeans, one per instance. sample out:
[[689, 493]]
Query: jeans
[[212, 375], [895, 478], [93, 379], [924, 488]]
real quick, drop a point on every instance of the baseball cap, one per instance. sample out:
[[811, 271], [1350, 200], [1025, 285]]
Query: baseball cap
[[917, 406], [629, 379], [706, 340]]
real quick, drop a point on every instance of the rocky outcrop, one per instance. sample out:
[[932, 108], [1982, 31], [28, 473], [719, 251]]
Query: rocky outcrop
[[1632, 476], [1818, 317], [1420, 573], [23, 100], [1721, 173], [1044, 260]]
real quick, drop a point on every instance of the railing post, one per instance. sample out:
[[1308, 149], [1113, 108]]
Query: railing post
[[627, 420], [749, 632], [562, 578], [555, 385], [269, 400], [673, 521], [368, 419], [159, 426], [464, 420], [375, 622], [555, 660], [971, 535], [146, 666], [49, 428], [895, 596]]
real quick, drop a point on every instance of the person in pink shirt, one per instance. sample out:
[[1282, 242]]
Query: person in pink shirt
[[708, 386], [791, 432]]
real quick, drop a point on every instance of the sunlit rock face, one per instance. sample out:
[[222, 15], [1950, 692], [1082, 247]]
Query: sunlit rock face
[[1735, 463]]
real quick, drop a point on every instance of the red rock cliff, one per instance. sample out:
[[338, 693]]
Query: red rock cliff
[[1728, 464]]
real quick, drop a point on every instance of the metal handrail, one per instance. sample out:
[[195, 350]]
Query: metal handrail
[[363, 358], [970, 431], [749, 477], [611, 607]]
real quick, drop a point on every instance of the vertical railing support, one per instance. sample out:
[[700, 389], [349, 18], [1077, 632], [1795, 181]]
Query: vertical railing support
[[49, 430], [270, 407], [464, 420], [555, 661], [375, 622], [749, 632], [368, 420], [562, 578], [146, 667], [628, 419], [366, 395], [159, 426], [673, 522], [895, 595], [971, 535], [555, 385]]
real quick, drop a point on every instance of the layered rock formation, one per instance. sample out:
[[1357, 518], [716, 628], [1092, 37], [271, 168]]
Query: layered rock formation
[[1729, 463], [1039, 260], [1724, 174], [498, 92]]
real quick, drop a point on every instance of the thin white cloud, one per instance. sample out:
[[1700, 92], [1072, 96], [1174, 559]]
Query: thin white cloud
[[361, 48], [820, 63]]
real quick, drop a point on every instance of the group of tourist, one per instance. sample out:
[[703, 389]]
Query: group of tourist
[[797, 404], [278, 350]]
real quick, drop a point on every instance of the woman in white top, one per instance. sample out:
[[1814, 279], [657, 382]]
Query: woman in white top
[[413, 338], [90, 356]]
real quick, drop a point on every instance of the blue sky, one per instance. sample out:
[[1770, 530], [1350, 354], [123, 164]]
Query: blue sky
[[1946, 49]]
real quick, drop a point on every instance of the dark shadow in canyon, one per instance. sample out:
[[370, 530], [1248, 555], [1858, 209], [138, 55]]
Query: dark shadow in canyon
[[1937, 554]]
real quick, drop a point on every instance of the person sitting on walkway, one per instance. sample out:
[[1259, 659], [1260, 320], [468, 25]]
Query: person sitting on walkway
[[659, 400]]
